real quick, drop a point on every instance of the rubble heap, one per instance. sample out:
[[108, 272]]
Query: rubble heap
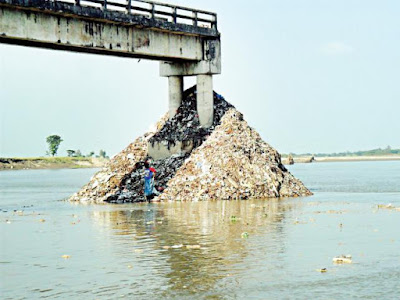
[[233, 163], [107, 182], [185, 125], [229, 160], [131, 188]]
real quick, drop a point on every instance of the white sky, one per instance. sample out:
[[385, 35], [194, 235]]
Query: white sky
[[309, 75]]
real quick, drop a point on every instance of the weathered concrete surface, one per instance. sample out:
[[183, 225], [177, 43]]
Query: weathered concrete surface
[[183, 50], [120, 17], [211, 64], [41, 29], [175, 94], [205, 100], [163, 150]]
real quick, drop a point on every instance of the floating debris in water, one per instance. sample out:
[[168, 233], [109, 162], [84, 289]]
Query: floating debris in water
[[181, 246], [244, 235], [388, 206], [66, 256], [342, 259], [233, 218], [337, 212], [193, 246]]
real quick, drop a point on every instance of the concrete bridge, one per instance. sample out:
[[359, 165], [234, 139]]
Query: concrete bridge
[[186, 41]]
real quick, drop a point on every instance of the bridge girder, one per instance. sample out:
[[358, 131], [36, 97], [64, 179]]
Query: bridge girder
[[183, 50]]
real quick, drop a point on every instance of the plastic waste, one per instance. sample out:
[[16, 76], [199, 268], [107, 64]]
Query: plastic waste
[[193, 246], [343, 259], [244, 235], [227, 161]]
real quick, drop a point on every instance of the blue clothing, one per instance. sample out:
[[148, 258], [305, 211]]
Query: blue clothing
[[219, 97], [148, 182]]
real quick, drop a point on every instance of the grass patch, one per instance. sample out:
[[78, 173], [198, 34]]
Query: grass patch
[[55, 159]]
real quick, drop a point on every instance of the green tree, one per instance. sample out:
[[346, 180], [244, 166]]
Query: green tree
[[71, 153], [90, 154], [102, 153], [54, 142]]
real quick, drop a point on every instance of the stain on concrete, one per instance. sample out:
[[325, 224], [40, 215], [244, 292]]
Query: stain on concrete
[[67, 26]]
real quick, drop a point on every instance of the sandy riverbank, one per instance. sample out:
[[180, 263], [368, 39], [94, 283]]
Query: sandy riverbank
[[51, 163], [308, 159]]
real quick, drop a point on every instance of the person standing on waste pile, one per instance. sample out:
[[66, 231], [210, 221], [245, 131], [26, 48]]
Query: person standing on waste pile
[[148, 181]]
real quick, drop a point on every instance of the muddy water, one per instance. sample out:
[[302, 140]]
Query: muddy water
[[140, 251]]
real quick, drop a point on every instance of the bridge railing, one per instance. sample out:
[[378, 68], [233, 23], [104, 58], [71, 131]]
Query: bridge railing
[[154, 10]]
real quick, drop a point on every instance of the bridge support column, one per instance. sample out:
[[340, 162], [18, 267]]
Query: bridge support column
[[205, 100], [175, 94]]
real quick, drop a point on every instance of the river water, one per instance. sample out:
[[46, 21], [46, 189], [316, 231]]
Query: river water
[[121, 251]]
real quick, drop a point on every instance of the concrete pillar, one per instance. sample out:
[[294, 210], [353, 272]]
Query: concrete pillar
[[205, 100], [175, 94]]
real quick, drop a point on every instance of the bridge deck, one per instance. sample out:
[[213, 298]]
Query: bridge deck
[[184, 40], [142, 13]]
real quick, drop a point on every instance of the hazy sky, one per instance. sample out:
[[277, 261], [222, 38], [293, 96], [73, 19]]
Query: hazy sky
[[309, 75]]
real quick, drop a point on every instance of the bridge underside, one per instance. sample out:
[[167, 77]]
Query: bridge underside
[[37, 28], [79, 49], [183, 50]]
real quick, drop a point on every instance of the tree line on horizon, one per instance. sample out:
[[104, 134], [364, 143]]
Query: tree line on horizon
[[374, 152], [54, 142]]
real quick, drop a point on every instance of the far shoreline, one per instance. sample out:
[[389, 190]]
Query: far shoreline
[[38, 163], [310, 159]]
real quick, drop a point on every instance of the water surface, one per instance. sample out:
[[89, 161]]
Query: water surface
[[124, 251]]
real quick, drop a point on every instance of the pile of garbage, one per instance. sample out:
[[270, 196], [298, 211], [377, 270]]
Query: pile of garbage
[[233, 163], [107, 182], [131, 188], [185, 125], [229, 160]]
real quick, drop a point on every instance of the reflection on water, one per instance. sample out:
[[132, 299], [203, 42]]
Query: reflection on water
[[166, 229], [54, 249]]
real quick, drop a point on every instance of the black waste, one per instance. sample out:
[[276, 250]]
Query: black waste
[[184, 127]]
